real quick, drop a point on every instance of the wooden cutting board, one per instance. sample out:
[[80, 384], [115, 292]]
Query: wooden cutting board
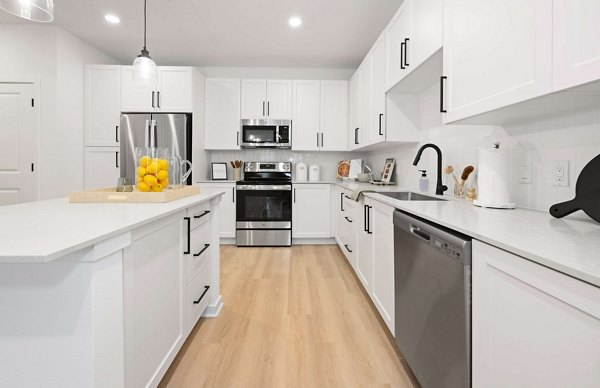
[[110, 195]]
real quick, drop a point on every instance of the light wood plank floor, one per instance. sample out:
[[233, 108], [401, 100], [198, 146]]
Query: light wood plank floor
[[293, 317]]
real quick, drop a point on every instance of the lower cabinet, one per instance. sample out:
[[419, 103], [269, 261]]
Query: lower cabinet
[[530, 322], [101, 167], [225, 222], [311, 214], [364, 246]]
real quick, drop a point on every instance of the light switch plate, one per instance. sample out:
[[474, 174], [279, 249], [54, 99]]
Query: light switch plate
[[560, 173], [525, 171]]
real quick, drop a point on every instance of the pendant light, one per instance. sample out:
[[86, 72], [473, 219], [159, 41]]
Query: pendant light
[[144, 68], [35, 10]]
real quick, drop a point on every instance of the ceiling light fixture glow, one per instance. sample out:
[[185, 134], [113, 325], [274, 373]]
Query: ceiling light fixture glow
[[35, 10], [295, 21], [112, 19], [144, 68]]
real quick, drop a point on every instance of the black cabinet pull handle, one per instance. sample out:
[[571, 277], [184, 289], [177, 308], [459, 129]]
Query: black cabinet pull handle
[[233, 193], [406, 52], [402, 55], [202, 215], [238, 137], [268, 108], [202, 296], [202, 251], [347, 196], [153, 99], [365, 211], [342, 202], [117, 133], [322, 144], [348, 249], [117, 159], [263, 108], [369, 231], [442, 79], [317, 139], [294, 195], [158, 99], [189, 230], [348, 219], [380, 128], [356, 136]]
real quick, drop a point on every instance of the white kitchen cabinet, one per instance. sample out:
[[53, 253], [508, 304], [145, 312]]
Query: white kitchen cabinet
[[397, 33], [496, 53], [355, 111], [222, 114], [348, 225], [102, 105], [383, 262], [225, 222], [576, 44], [262, 99], [311, 210], [528, 320], [364, 246], [364, 132], [172, 91], [306, 133], [101, 167], [378, 101], [334, 115], [153, 280]]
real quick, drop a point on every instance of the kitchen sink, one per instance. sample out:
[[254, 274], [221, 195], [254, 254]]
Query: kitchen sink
[[409, 196]]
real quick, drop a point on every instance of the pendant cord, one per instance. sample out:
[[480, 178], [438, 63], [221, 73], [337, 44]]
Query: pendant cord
[[145, 1]]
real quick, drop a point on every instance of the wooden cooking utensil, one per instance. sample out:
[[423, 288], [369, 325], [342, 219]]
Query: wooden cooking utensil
[[587, 194]]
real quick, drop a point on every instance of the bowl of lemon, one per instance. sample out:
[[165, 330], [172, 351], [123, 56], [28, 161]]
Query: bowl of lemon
[[152, 170]]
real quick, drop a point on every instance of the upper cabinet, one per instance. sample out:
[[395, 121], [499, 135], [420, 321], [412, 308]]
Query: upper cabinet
[[320, 115], [102, 105], [576, 44], [262, 99], [496, 53], [222, 114], [355, 111], [171, 93], [413, 35]]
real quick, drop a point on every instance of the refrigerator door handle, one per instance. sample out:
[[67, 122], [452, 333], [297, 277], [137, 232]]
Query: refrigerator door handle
[[147, 134]]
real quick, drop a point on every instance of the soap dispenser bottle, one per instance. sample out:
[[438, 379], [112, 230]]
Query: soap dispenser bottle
[[423, 181]]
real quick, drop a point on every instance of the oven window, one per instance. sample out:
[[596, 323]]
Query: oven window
[[264, 206], [259, 134]]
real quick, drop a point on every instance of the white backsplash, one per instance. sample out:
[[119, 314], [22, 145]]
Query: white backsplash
[[573, 136], [328, 161]]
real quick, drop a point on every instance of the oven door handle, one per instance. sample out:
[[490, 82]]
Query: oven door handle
[[264, 187]]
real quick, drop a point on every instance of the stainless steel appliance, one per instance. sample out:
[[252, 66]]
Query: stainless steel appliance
[[432, 269], [264, 205], [172, 131], [266, 133]]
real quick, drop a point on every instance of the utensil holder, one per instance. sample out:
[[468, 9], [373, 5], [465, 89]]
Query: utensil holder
[[237, 174]]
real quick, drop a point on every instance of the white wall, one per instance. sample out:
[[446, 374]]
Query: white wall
[[572, 136], [277, 73], [57, 59]]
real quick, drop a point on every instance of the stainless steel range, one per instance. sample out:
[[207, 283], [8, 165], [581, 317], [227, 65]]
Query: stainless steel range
[[264, 205]]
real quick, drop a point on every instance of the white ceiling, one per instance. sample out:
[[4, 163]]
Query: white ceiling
[[245, 33]]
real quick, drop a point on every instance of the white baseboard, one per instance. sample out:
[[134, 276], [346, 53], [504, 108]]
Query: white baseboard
[[313, 241], [227, 240], [213, 310]]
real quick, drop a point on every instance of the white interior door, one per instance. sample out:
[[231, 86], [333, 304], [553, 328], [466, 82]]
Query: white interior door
[[18, 124]]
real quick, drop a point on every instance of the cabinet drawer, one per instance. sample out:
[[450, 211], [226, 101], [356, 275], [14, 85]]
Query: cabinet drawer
[[199, 214], [199, 250], [198, 295]]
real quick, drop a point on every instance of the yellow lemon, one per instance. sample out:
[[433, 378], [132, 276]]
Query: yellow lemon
[[139, 179], [144, 160], [157, 188], [162, 175], [141, 171], [163, 164], [152, 168], [164, 183], [143, 187], [150, 180]]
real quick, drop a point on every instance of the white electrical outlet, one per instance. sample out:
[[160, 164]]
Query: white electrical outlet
[[560, 173]]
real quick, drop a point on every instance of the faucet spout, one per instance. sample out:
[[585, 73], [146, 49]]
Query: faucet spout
[[439, 187]]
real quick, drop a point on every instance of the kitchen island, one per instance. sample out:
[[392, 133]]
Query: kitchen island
[[103, 295]]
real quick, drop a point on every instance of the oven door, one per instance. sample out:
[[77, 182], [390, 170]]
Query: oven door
[[264, 206]]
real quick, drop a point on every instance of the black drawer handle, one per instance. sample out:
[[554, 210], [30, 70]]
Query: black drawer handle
[[348, 219], [442, 108], [202, 251], [202, 215], [202, 296], [406, 52], [348, 249], [189, 229], [117, 133]]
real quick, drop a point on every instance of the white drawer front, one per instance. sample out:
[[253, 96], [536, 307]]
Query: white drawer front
[[199, 214], [200, 250], [198, 296]]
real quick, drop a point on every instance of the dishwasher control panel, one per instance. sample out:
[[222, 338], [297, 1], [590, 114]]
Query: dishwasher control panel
[[447, 248]]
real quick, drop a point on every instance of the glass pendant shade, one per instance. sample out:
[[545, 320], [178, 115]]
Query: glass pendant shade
[[144, 68], [35, 10]]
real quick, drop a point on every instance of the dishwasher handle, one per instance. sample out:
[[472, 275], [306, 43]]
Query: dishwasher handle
[[419, 233]]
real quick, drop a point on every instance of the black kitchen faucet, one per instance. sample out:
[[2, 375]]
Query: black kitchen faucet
[[439, 188]]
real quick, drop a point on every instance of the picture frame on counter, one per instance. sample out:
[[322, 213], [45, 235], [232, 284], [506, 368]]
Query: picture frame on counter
[[218, 171], [388, 170]]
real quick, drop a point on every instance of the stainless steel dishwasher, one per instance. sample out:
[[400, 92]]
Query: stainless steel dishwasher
[[432, 269]]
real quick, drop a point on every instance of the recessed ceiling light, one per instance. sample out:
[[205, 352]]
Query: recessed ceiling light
[[112, 19], [295, 21]]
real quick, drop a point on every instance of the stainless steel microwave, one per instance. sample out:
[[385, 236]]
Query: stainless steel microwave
[[266, 133]]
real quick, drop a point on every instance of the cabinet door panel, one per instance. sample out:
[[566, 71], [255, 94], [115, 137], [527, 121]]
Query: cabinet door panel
[[364, 248], [279, 99], [355, 111], [311, 212], [377, 117], [136, 96], [102, 105], [426, 30], [175, 89], [306, 129], [383, 263], [101, 167], [395, 37], [222, 114], [576, 43], [225, 222], [254, 98], [334, 115], [364, 134], [496, 53]]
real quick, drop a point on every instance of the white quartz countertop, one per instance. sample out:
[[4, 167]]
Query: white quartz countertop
[[568, 245], [43, 231]]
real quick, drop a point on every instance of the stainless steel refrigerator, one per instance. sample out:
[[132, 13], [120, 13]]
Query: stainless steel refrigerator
[[172, 131]]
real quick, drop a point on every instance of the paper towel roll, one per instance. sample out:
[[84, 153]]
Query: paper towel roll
[[494, 179]]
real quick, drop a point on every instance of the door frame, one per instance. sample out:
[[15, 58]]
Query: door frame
[[36, 82]]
